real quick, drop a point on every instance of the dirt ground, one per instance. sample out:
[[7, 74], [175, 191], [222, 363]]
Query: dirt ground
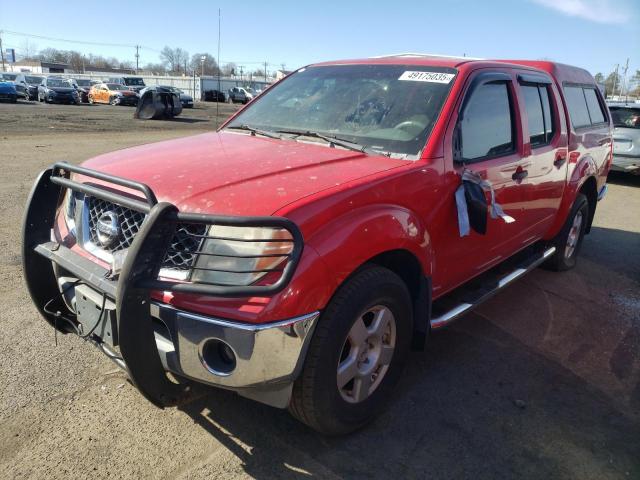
[[543, 381]]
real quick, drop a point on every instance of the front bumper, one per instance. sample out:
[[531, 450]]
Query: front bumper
[[153, 337]]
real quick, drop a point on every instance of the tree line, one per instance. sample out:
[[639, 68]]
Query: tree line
[[615, 84], [173, 61]]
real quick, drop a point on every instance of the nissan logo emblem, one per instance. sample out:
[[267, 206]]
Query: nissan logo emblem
[[108, 229]]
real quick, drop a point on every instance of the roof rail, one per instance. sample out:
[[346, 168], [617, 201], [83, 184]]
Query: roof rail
[[436, 55]]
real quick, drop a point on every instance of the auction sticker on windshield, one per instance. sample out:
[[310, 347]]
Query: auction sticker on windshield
[[434, 77]]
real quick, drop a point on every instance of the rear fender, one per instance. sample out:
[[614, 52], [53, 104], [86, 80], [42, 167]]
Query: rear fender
[[583, 169]]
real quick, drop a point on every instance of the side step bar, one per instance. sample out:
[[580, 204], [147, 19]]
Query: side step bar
[[441, 320]]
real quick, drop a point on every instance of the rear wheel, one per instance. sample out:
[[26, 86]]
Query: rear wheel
[[569, 241], [356, 355]]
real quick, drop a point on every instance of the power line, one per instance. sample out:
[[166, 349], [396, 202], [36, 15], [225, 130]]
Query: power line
[[80, 42]]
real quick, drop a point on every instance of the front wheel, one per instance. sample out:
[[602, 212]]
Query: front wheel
[[569, 241], [356, 355], [113, 101]]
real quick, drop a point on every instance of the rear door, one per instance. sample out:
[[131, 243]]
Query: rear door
[[545, 146]]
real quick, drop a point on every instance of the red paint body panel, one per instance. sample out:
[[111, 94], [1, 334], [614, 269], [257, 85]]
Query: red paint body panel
[[351, 207]]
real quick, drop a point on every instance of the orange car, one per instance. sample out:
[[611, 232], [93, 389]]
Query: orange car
[[112, 93]]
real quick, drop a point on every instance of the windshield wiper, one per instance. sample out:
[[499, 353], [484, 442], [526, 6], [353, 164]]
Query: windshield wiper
[[256, 131], [333, 141]]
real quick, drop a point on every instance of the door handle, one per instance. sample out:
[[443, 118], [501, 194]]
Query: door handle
[[520, 174]]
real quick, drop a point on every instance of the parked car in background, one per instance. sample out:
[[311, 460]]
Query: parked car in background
[[113, 93], [132, 83], [84, 86], [239, 95], [8, 92], [57, 90], [33, 81], [18, 80], [626, 137], [185, 99], [214, 96], [297, 254]]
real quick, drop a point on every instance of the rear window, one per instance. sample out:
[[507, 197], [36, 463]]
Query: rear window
[[625, 117], [584, 108]]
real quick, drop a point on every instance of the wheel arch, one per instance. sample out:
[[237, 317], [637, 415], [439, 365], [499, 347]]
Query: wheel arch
[[590, 189]]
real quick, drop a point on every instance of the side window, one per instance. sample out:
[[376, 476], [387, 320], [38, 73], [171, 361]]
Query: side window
[[486, 129], [595, 110], [577, 107], [584, 108], [538, 107]]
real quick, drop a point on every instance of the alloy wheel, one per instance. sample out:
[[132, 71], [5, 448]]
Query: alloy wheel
[[366, 354], [574, 235]]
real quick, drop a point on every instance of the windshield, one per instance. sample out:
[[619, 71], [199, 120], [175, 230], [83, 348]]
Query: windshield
[[116, 86], [387, 108], [625, 117], [9, 76], [58, 82], [33, 80], [82, 82], [138, 82]]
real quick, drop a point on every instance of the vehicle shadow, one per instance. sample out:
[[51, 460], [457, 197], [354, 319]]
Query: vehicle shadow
[[477, 404], [622, 178], [187, 120], [604, 244]]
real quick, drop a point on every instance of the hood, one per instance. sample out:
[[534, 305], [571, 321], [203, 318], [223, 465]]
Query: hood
[[238, 174], [62, 89], [126, 93]]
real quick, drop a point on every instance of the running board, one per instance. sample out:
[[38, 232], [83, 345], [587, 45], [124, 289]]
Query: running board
[[440, 320]]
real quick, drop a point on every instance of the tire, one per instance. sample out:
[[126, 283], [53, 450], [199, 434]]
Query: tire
[[112, 101], [317, 400], [90, 100], [568, 242]]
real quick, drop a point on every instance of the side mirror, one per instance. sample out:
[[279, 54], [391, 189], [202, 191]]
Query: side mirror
[[477, 207]]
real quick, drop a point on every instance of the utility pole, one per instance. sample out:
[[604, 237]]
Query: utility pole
[[615, 81], [1, 51], [265, 72], [241, 67], [624, 78], [137, 58]]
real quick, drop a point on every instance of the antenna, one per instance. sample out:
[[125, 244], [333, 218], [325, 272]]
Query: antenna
[[219, 71]]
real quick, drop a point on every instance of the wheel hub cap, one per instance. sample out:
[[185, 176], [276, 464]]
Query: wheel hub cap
[[366, 354]]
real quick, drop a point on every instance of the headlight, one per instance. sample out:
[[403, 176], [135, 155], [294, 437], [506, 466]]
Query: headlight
[[241, 255]]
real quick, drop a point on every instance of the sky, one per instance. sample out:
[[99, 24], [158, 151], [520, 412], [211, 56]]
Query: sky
[[593, 34]]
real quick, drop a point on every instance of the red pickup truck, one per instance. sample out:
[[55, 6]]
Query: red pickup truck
[[298, 253]]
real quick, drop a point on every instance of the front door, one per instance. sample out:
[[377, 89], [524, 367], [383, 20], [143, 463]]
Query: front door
[[487, 139]]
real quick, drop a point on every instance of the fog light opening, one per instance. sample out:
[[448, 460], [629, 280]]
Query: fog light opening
[[218, 357]]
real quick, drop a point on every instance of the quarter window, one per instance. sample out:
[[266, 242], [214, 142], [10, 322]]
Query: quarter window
[[538, 107], [486, 129]]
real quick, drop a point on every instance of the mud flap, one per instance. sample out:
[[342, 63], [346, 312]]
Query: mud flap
[[135, 329], [38, 272]]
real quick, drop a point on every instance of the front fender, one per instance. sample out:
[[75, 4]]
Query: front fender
[[350, 240], [585, 167]]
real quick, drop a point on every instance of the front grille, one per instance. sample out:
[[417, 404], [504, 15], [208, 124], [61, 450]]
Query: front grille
[[184, 245]]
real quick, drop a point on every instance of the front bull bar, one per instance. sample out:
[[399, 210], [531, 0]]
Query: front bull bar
[[131, 287]]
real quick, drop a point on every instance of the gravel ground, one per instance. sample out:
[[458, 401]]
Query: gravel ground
[[543, 381]]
